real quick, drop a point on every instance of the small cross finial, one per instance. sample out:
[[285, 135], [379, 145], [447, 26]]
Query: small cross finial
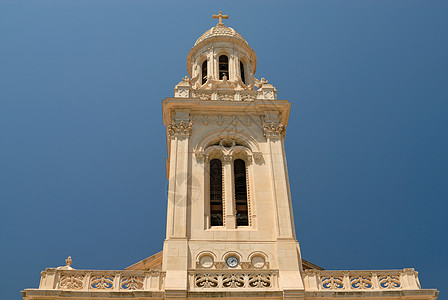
[[68, 261], [220, 16]]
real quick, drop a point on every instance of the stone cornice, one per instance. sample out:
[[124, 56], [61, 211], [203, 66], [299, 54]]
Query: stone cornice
[[229, 108]]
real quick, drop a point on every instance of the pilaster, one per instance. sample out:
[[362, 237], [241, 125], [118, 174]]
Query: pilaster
[[274, 131], [175, 249]]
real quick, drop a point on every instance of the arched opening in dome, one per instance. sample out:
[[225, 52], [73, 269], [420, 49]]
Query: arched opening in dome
[[223, 67], [204, 72], [242, 72]]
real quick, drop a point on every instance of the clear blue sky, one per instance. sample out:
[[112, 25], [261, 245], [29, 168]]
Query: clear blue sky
[[82, 168]]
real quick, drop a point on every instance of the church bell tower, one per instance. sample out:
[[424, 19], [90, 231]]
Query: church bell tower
[[230, 225], [230, 228]]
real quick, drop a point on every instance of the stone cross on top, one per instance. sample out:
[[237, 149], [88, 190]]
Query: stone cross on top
[[220, 16]]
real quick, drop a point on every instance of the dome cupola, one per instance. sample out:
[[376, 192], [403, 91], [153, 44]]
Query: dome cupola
[[221, 59]]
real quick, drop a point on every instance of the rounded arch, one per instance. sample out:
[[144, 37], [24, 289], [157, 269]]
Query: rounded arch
[[258, 253], [198, 61], [223, 67], [240, 152], [213, 138], [204, 71], [227, 254], [214, 152], [206, 252]]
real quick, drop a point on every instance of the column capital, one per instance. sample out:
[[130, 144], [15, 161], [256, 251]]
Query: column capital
[[274, 129], [179, 128]]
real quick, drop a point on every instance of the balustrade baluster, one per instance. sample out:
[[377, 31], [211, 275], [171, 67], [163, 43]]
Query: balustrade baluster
[[346, 281], [117, 280], [86, 281]]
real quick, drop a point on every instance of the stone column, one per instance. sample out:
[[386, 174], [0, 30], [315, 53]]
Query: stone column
[[230, 222]]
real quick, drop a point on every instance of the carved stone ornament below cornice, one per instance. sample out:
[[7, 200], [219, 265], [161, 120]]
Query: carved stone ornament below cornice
[[273, 129], [227, 159], [200, 156], [179, 128], [258, 156]]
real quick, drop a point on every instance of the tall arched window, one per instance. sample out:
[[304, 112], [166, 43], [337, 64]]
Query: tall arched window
[[242, 72], [216, 214], [223, 67], [242, 215], [204, 72]]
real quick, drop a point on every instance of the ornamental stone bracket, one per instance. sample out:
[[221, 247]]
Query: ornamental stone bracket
[[258, 157], [179, 128], [273, 129]]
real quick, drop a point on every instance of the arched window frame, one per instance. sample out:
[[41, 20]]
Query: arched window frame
[[242, 71], [246, 148], [220, 72], [204, 77], [242, 153], [211, 155]]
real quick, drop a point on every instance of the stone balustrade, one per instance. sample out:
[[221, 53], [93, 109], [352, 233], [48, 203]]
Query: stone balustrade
[[97, 280], [233, 279], [378, 280], [153, 280]]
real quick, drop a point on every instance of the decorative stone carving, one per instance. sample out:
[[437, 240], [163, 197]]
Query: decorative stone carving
[[260, 280], [273, 129], [357, 280], [203, 96], [206, 280], [102, 281], [131, 282], [227, 159], [332, 282], [226, 96], [206, 261], [389, 281], [245, 265], [182, 89], [233, 120], [234, 280], [258, 156], [258, 261], [68, 261], [248, 97], [220, 31], [227, 143], [200, 156], [361, 282], [220, 265], [71, 281], [180, 129]]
